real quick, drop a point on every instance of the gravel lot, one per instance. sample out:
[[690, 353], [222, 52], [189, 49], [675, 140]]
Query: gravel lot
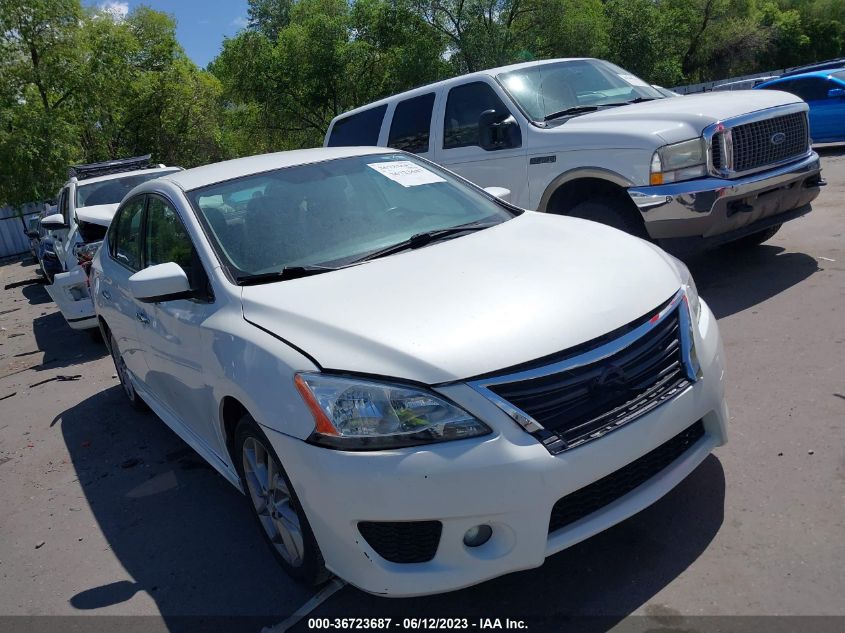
[[105, 511]]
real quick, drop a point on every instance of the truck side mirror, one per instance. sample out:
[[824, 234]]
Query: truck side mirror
[[498, 130]]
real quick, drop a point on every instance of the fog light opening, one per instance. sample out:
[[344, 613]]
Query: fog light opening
[[477, 535]]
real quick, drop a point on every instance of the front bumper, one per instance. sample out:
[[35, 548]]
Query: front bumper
[[508, 481], [718, 210]]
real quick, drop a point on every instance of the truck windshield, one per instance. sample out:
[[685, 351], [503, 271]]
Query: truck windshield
[[569, 88], [336, 212], [113, 190]]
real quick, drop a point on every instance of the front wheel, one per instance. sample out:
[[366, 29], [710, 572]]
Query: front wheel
[[755, 239], [276, 506], [612, 212], [123, 374]]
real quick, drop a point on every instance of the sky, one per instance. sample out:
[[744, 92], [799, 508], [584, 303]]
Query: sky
[[200, 24]]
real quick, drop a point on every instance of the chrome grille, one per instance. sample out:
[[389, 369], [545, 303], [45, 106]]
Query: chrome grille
[[585, 398], [761, 143]]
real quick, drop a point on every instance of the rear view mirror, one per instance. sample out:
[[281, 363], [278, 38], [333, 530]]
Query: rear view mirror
[[162, 282], [836, 93], [54, 222], [500, 192], [498, 130]]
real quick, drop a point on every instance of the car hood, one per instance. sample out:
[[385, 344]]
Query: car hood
[[101, 214], [476, 304], [677, 119]]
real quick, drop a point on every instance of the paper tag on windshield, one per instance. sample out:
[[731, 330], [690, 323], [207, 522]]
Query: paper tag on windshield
[[406, 173], [634, 81]]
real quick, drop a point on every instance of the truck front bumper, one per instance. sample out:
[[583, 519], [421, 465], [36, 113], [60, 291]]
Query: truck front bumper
[[711, 211]]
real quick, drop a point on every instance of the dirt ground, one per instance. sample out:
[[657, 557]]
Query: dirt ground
[[105, 511]]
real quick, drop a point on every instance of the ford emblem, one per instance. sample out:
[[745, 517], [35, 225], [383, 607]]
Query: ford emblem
[[778, 138]]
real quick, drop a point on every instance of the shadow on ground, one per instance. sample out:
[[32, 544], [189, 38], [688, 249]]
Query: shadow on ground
[[830, 149], [733, 279], [183, 534], [589, 587]]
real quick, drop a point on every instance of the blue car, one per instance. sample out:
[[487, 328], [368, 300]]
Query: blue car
[[48, 260], [824, 92]]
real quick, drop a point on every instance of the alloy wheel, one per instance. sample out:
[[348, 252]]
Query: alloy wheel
[[271, 498]]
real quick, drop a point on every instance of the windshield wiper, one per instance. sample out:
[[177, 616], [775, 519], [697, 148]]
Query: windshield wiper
[[421, 239], [637, 100], [288, 272], [568, 111]]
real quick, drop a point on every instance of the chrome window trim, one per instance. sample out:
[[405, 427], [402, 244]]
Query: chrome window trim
[[482, 385], [726, 139]]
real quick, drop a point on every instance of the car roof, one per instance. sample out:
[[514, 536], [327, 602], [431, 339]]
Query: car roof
[[822, 74], [227, 170], [120, 174], [490, 72]]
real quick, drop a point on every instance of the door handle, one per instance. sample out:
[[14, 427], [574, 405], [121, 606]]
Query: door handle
[[106, 295], [142, 317]]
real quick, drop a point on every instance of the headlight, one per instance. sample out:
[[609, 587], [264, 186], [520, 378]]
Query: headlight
[[358, 414], [680, 161], [690, 289]]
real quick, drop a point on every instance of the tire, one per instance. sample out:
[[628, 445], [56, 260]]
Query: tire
[[285, 530], [755, 239], [612, 212], [122, 373]]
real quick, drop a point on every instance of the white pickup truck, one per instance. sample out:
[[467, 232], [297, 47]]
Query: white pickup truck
[[585, 138], [85, 206]]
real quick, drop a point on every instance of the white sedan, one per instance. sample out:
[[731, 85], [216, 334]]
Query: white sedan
[[417, 386]]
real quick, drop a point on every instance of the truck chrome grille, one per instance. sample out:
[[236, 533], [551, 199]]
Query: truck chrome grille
[[760, 143], [599, 390]]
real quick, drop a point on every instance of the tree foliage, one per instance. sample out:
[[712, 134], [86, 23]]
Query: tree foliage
[[83, 85]]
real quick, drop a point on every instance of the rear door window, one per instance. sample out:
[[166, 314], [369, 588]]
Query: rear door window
[[358, 129], [411, 123]]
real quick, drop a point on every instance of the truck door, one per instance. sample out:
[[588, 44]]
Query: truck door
[[482, 139]]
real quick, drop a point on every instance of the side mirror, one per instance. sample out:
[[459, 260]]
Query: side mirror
[[162, 282], [54, 222], [498, 130], [500, 192], [836, 93]]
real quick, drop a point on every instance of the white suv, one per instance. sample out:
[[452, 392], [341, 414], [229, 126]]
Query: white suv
[[417, 385], [84, 209], [585, 138]]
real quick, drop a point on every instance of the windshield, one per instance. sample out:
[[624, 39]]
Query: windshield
[[839, 74], [112, 191], [546, 89], [334, 212]]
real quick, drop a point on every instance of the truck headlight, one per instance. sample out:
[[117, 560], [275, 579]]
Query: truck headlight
[[679, 161], [359, 414]]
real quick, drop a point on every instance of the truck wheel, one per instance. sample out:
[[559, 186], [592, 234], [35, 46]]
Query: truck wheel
[[755, 239], [612, 212]]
